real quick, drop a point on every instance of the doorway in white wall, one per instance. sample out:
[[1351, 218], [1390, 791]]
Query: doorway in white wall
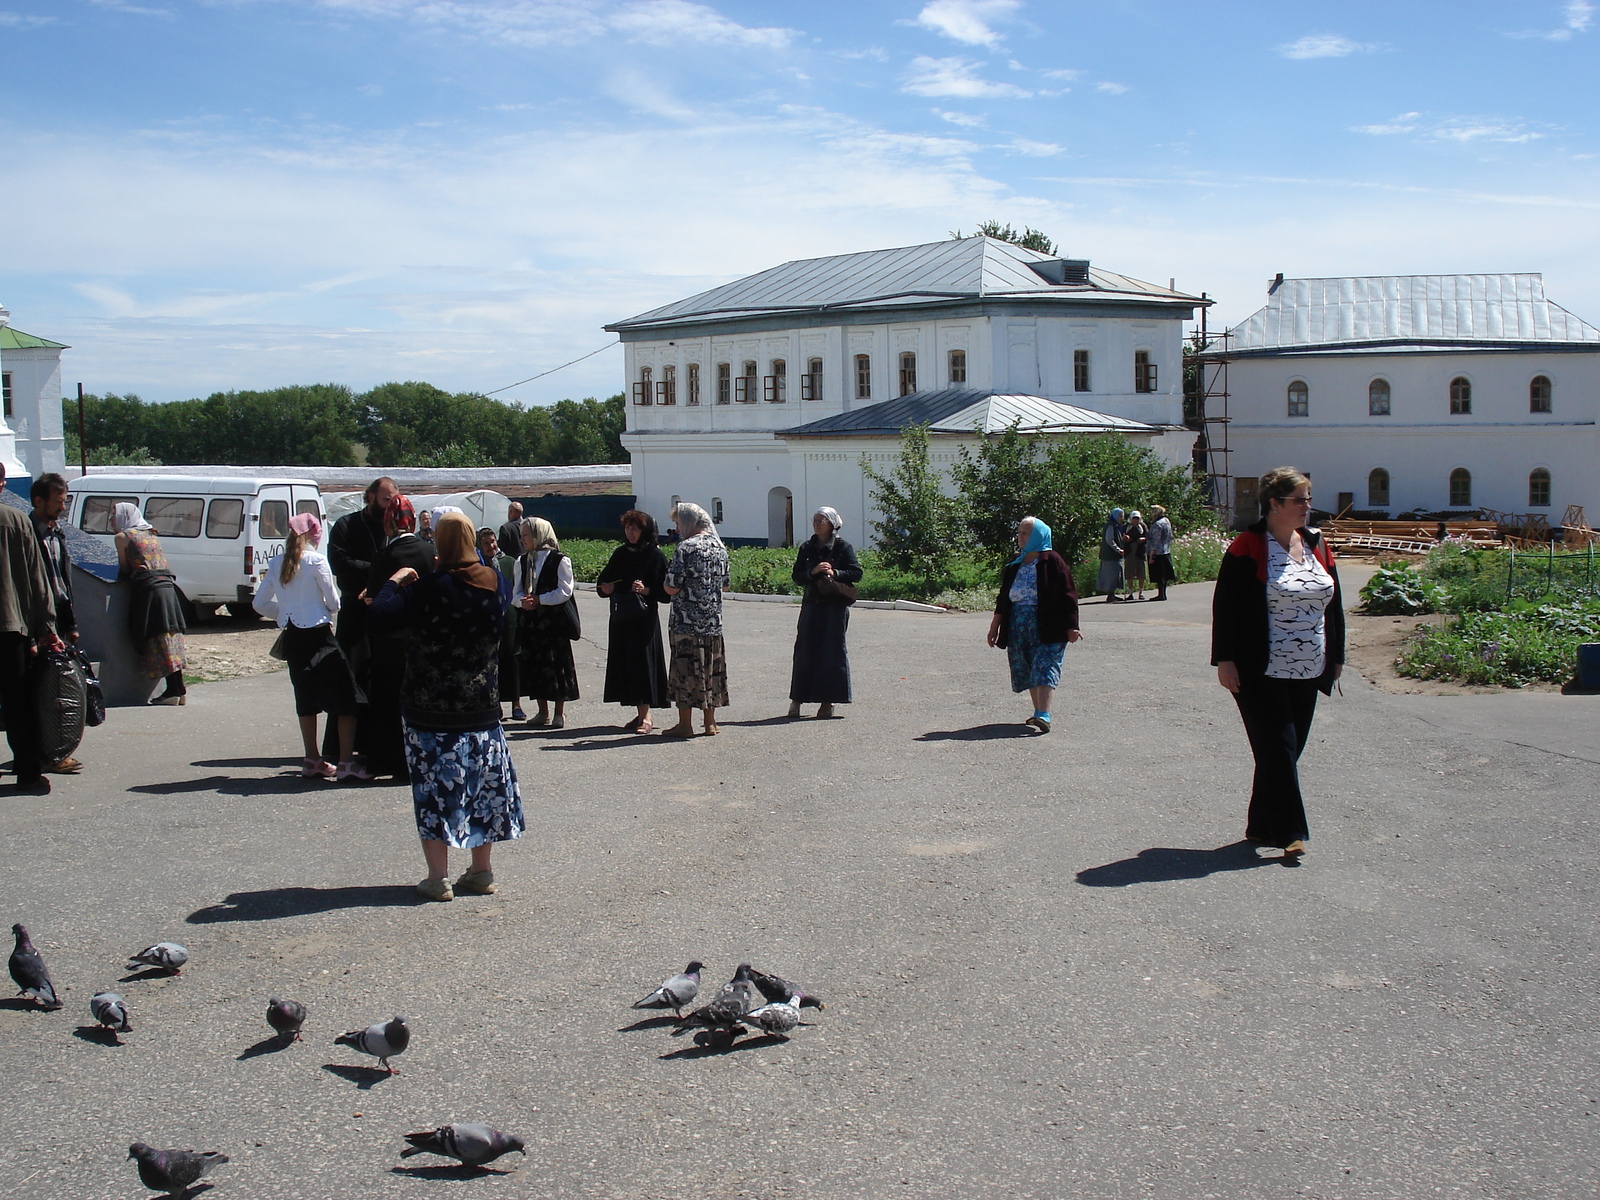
[[780, 518]]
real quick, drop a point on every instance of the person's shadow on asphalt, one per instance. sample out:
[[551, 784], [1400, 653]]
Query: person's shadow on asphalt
[[1162, 864], [980, 733]]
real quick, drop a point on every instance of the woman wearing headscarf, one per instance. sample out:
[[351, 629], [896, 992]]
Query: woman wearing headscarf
[[1109, 579], [299, 593], [463, 784], [504, 560], [1134, 537], [697, 673], [1035, 616], [1277, 639], [636, 668], [155, 612], [821, 674], [545, 580], [1159, 549], [379, 731]]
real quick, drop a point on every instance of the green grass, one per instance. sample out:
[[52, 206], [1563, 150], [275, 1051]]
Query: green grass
[[1530, 642]]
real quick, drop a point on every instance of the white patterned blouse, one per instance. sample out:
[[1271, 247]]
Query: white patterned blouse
[[1297, 601]]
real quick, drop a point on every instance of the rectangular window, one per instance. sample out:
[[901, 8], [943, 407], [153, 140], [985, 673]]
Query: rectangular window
[[97, 510], [1144, 372], [667, 387], [724, 383], [958, 366], [274, 519], [744, 387], [174, 516], [908, 373], [644, 390], [5, 392], [225, 518], [1080, 370], [694, 383], [863, 377], [716, 510], [775, 389], [811, 381]]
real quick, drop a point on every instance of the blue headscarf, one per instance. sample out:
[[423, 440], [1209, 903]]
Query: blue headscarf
[[1038, 539]]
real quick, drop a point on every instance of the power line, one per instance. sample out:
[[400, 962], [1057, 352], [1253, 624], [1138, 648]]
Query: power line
[[551, 371]]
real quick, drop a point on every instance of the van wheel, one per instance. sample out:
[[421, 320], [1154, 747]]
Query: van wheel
[[240, 612], [205, 613]]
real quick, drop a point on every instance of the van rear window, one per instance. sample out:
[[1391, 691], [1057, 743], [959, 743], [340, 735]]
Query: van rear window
[[274, 521], [175, 516], [97, 510], [308, 506], [225, 519]]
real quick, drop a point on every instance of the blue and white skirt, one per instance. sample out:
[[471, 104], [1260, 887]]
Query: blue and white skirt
[[463, 787], [1033, 663]]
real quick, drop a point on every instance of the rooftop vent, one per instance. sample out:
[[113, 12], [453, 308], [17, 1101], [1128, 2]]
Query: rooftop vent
[[1274, 284], [1062, 270]]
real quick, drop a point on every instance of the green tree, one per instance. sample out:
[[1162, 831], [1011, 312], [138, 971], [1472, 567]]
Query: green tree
[[1029, 239], [587, 431], [917, 532]]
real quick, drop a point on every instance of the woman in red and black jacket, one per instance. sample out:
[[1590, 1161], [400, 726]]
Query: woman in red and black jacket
[[1277, 639], [1035, 616]]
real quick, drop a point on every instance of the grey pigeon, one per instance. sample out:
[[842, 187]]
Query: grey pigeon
[[383, 1040], [677, 991], [472, 1144], [732, 1001], [27, 969], [168, 956], [777, 989], [111, 1011], [777, 1018], [173, 1171], [286, 1017]]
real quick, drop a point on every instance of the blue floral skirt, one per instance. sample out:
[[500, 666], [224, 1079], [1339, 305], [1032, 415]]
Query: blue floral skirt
[[1033, 663], [464, 787]]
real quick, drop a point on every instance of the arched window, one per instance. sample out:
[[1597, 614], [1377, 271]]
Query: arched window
[[724, 382], [1461, 488], [693, 380], [1460, 395], [1378, 398], [1378, 488], [644, 389], [908, 373], [1539, 391], [811, 381], [744, 386], [1299, 399], [1539, 488], [776, 388]]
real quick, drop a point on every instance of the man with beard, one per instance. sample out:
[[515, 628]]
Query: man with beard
[[353, 543]]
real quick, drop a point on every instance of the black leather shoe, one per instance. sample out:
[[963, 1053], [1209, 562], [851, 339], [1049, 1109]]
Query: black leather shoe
[[38, 785]]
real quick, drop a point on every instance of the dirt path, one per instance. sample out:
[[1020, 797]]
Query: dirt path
[[230, 648]]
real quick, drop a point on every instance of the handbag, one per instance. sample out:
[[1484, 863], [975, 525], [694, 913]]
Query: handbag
[[278, 650], [834, 591], [627, 606], [563, 616], [94, 711]]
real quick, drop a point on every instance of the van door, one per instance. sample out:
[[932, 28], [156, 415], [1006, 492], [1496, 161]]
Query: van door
[[268, 527]]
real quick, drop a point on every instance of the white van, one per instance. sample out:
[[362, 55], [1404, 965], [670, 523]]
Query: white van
[[217, 533]]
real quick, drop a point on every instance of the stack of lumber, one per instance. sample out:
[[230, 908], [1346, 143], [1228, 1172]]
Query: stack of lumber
[[1404, 537]]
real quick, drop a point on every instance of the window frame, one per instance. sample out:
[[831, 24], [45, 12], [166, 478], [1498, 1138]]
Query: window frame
[[1538, 478], [744, 383], [811, 381], [1460, 404], [775, 388], [1463, 477], [261, 519], [1388, 488], [907, 364], [1297, 406], [956, 366], [212, 519], [667, 386], [691, 374], [1373, 402], [863, 363], [1544, 403], [643, 387], [111, 503], [1144, 373], [1082, 379], [724, 383], [5, 393]]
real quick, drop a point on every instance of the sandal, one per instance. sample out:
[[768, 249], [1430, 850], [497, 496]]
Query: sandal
[[517, 714], [316, 768], [349, 770]]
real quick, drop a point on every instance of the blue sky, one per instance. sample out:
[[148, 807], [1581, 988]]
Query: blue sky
[[206, 194]]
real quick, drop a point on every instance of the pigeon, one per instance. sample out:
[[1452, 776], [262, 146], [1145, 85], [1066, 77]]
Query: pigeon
[[732, 1001], [474, 1145], [677, 991], [168, 956], [286, 1016], [777, 1018], [777, 990], [27, 969], [111, 1011], [383, 1040], [173, 1171]]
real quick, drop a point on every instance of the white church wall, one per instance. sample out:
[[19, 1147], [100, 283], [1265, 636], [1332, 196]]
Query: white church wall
[[35, 418]]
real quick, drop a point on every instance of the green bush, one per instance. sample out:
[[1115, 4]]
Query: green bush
[[1528, 642], [1397, 591], [1487, 579]]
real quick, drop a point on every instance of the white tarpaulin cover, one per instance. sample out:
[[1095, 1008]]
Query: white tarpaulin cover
[[485, 508]]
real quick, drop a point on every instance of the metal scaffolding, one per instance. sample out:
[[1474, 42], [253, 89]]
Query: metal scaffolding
[[1206, 384]]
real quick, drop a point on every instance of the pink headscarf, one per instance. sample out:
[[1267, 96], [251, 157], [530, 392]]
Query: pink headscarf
[[307, 524]]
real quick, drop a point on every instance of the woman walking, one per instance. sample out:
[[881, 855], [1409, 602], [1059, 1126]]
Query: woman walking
[[1134, 538], [1035, 616], [636, 668], [547, 669], [697, 676], [825, 566], [380, 732], [1109, 578], [1159, 549], [490, 552], [1277, 639], [155, 613], [300, 595], [463, 784]]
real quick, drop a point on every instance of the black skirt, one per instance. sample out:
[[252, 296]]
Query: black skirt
[[636, 665], [320, 673], [821, 660], [547, 670]]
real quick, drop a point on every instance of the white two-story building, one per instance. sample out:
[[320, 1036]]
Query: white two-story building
[[759, 399], [30, 405], [1416, 393]]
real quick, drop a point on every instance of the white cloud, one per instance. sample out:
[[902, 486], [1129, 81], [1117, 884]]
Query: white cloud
[[137, 10], [12, 20], [1112, 89], [371, 89], [1404, 123], [1324, 45], [662, 22], [967, 120], [1035, 149], [1577, 17], [967, 21], [1066, 73], [955, 77], [1462, 130]]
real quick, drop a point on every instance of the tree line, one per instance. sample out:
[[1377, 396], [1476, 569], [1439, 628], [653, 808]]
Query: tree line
[[327, 425]]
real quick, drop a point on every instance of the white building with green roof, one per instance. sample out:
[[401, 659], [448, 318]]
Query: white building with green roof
[[31, 440]]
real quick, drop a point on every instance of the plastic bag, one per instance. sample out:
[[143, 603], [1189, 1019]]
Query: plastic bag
[[63, 699]]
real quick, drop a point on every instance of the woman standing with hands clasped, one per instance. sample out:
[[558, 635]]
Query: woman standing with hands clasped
[[1277, 639], [548, 672], [821, 674], [636, 667], [1035, 616]]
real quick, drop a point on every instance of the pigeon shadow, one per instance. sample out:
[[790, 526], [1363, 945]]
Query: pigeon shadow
[[707, 1045], [26, 1004], [1162, 864], [142, 973], [980, 733], [99, 1035], [460, 1171], [267, 1045], [274, 904], [365, 1078], [648, 1023]]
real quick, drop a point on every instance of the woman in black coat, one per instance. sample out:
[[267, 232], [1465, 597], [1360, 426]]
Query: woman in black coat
[[380, 735], [636, 666], [1035, 616], [821, 673], [1277, 639]]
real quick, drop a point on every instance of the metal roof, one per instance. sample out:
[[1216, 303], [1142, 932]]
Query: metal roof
[[1394, 311], [954, 269], [961, 410], [15, 339]]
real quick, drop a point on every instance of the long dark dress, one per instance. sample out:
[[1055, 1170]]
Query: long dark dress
[[379, 734], [510, 663], [636, 664], [548, 672], [821, 659]]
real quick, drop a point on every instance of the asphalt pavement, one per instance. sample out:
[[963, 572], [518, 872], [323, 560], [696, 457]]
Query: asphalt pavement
[[1050, 967]]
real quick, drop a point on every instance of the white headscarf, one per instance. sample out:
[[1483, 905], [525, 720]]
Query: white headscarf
[[127, 516], [831, 515], [695, 519], [441, 510]]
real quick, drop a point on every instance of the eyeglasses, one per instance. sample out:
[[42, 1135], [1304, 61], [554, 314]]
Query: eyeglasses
[[1297, 499]]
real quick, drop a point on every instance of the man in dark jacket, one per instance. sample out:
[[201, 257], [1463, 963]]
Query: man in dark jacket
[[49, 496], [510, 536], [27, 624], [353, 544]]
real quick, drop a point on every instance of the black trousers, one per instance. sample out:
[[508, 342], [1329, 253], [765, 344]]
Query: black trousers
[[1277, 719], [20, 703]]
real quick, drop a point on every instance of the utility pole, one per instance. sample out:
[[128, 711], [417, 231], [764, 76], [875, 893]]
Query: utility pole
[[83, 446]]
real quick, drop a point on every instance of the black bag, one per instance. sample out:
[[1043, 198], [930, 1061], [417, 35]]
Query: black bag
[[834, 590], [627, 605], [563, 616], [94, 711], [63, 699]]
